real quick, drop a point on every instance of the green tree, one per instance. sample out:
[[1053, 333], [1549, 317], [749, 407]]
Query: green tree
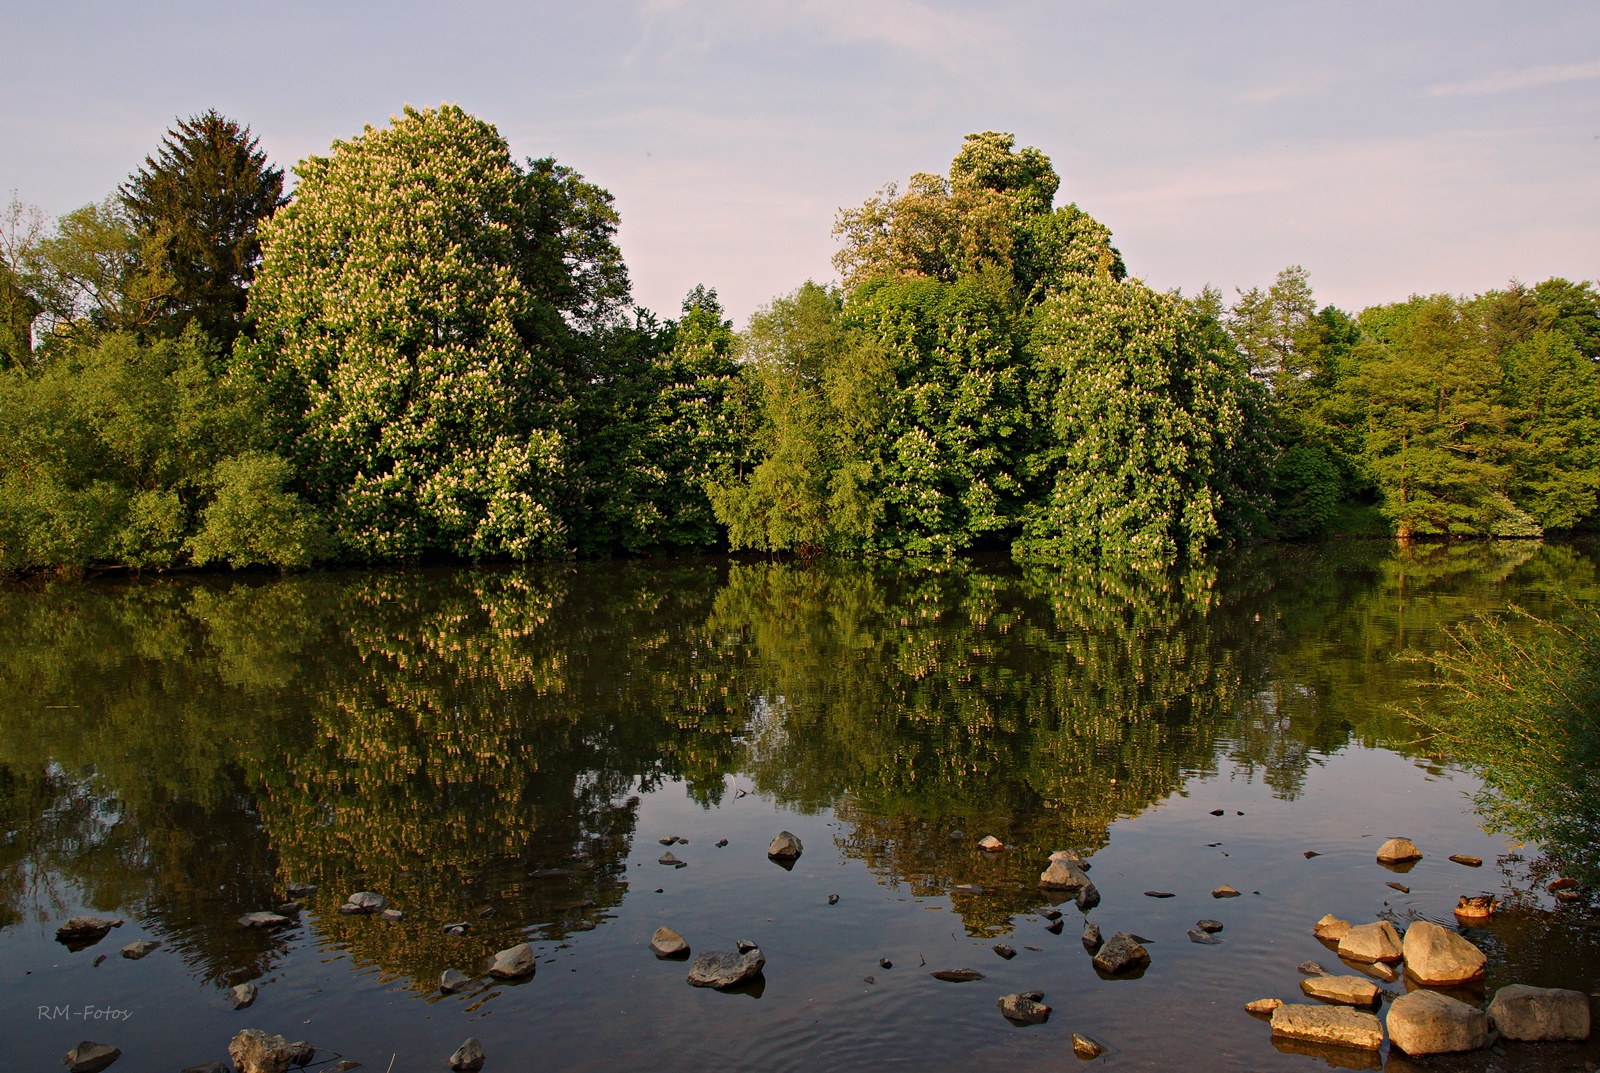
[[197, 205]]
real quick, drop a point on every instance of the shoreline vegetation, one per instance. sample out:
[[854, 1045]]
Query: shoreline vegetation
[[429, 351]]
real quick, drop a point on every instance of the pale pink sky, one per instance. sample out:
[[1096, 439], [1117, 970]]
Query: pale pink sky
[[1390, 148]]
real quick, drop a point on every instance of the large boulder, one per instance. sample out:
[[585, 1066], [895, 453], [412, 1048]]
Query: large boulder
[[1540, 1013], [1438, 957], [1063, 875], [80, 932], [786, 847], [1345, 990], [724, 970], [1399, 851], [1426, 1022], [89, 1057], [1122, 953], [1371, 942], [255, 1051], [1338, 1025], [514, 963], [666, 943]]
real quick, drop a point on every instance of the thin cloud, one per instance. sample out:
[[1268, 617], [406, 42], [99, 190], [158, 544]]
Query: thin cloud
[[1504, 81]]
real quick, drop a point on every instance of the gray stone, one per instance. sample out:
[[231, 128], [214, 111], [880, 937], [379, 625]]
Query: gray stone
[[1072, 857], [468, 1057], [300, 890], [1024, 1008], [1204, 938], [1311, 968], [452, 981], [957, 976], [1371, 942], [1438, 957], [514, 963], [670, 859], [1338, 1025], [242, 996], [1086, 1047], [666, 943], [744, 946], [786, 847], [255, 1051], [1398, 851], [1540, 1013], [991, 843], [367, 901], [89, 1057], [1345, 990], [1004, 951], [391, 914], [1330, 928], [1208, 925], [1092, 941], [723, 970], [1063, 875], [458, 928], [135, 951], [290, 908], [1426, 1022], [265, 920], [1122, 953], [86, 930], [1088, 897]]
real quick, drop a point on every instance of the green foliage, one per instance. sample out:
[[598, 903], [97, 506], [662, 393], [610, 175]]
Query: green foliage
[[197, 205], [253, 521]]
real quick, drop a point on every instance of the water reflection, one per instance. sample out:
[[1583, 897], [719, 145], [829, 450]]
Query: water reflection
[[472, 742]]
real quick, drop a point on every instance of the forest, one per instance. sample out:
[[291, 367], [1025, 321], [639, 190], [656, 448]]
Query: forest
[[428, 350]]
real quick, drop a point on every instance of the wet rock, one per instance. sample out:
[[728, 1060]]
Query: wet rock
[[1204, 938], [367, 901], [1540, 1013], [1088, 897], [265, 920], [1063, 875], [458, 928], [1092, 941], [744, 946], [1476, 909], [468, 1058], [1338, 1025], [1311, 968], [1219, 812], [242, 996], [833, 899], [514, 963], [1263, 1005], [1330, 928], [1568, 895], [1345, 990], [724, 970], [452, 981], [300, 890], [1438, 957], [669, 859], [89, 1057], [1401, 887], [255, 1051], [1225, 891], [666, 943], [1004, 951], [1386, 973], [1086, 1047], [991, 844], [1159, 894], [1398, 851], [80, 932], [1310, 853], [1024, 1008], [391, 914], [720, 843], [98, 958], [1426, 1022], [1121, 953], [957, 976], [1470, 862], [1208, 925], [1055, 927], [1050, 912], [670, 840], [786, 847], [290, 908], [1371, 942], [885, 963], [135, 951]]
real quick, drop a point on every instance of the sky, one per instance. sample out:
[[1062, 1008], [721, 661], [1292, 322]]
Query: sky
[[1389, 148]]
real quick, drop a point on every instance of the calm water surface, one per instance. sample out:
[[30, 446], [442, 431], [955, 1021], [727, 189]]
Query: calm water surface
[[507, 746]]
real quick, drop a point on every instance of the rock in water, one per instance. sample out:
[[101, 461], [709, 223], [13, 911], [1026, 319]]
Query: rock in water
[[1086, 1047], [1055, 926], [1063, 875], [1208, 925], [1225, 891], [514, 963], [454, 980], [744, 946], [1311, 968], [265, 920], [885, 963], [1050, 912], [135, 951], [957, 976], [1398, 851], [255, 1051], [209, 1067], [1426, 1022], [1401, 887], [242, 996], [1004, 951], [391, 914], [669, 859], [1120, 954], [1438, 957], [1330, 928], [1475, 909], [367, 901], [1338, 1025], [1091, 938], [1371, 942], [667, 943], [80, 932], [723, 970], [1345, 990], [1263, 1006], [1470, 862], [1204, 938], [89, 1057], [991, 843], [1540, 1013], [1088, 897], [1159, 894], [468, 1057], [786, 847], [1072, 857], [1024, 1008], [300, 890], [833, 899]]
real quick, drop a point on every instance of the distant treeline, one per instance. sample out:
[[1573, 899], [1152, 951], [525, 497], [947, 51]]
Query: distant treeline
[[431, 350]]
